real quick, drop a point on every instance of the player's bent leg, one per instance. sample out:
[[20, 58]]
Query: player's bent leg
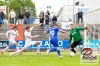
[[72, 49], [58, 51], [52, 50], [74, 44], [21, 51], [25, 46], [38, 46], [48, 51], [38, 49], [80, 44], [12, 53], [38, 43]]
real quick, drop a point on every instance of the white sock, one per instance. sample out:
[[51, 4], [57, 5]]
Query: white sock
[[18, 51], [38, 48], [81, 49], [17, 47], [5, 49]]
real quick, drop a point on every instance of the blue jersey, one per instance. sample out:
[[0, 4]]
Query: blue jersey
[[53, 32]]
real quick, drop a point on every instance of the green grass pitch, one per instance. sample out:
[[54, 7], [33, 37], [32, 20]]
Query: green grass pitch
[[32, 59]]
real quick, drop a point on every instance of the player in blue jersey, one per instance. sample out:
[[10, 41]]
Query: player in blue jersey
[[53, 31]]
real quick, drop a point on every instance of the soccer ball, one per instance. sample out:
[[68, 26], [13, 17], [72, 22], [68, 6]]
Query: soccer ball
[[72, 54]]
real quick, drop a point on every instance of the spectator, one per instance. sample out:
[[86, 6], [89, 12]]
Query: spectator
[[54, 20], [48, 13], [27, 14], [41, 17], [0, 21], [2, 15], [20, 18], [46, 20], [0, 18], [80, 16], [12, 15]]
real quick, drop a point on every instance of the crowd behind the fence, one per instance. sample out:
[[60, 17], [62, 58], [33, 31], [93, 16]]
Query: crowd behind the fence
[[45, 18]]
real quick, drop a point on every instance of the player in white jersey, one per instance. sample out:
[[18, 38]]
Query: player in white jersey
[[28, 40], [12, 35]]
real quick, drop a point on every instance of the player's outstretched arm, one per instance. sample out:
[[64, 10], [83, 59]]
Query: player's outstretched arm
[[62, 31], [17, 33], [37, 25]]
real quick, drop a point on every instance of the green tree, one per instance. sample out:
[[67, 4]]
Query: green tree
[[26, 5], [1, 3]]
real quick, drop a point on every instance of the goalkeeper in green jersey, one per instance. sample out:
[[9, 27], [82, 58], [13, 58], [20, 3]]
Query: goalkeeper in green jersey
[[76, 36]]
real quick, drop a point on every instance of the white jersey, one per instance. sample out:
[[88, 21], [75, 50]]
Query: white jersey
[[26, 34], [12, 34]]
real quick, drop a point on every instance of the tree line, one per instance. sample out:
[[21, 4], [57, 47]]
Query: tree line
[[16, 4]]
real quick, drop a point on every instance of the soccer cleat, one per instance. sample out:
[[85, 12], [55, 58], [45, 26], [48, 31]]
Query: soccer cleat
[[20, 53], [61, 56], [2, 53], [10, 55], [39, 53], [47, 52]]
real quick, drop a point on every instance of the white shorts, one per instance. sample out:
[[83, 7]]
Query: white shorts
[[12, 41], [27, 44]]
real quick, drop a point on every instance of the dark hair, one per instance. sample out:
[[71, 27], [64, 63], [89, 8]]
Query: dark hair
[[27, 27], [14, 27]]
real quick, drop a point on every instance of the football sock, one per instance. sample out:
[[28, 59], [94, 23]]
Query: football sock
[[38, 48], [58, 51], [81, 49], [18, 51]]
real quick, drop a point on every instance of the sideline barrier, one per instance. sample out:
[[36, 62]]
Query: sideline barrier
[[45, 44]]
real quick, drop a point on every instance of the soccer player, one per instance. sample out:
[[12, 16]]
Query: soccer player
[[11, 34], [53, 31], [75, 34], [28, 40]]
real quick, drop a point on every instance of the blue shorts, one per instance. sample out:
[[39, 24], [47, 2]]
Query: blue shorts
[[54, 43]]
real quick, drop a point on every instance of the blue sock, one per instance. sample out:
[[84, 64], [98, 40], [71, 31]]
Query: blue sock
[[58, 51], [52, 50]]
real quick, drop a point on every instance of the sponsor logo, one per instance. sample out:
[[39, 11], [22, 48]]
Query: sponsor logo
[[89, 56]]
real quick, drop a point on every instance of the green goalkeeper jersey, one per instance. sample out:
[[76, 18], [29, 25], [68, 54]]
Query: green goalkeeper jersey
[[75, 34]]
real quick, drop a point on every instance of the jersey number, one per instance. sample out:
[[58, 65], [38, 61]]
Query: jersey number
[[52, 32]]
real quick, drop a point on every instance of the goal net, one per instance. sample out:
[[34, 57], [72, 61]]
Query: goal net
[[92, 21]]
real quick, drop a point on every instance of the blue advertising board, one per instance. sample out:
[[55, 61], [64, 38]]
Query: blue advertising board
[[48, 7], [45, 44]]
